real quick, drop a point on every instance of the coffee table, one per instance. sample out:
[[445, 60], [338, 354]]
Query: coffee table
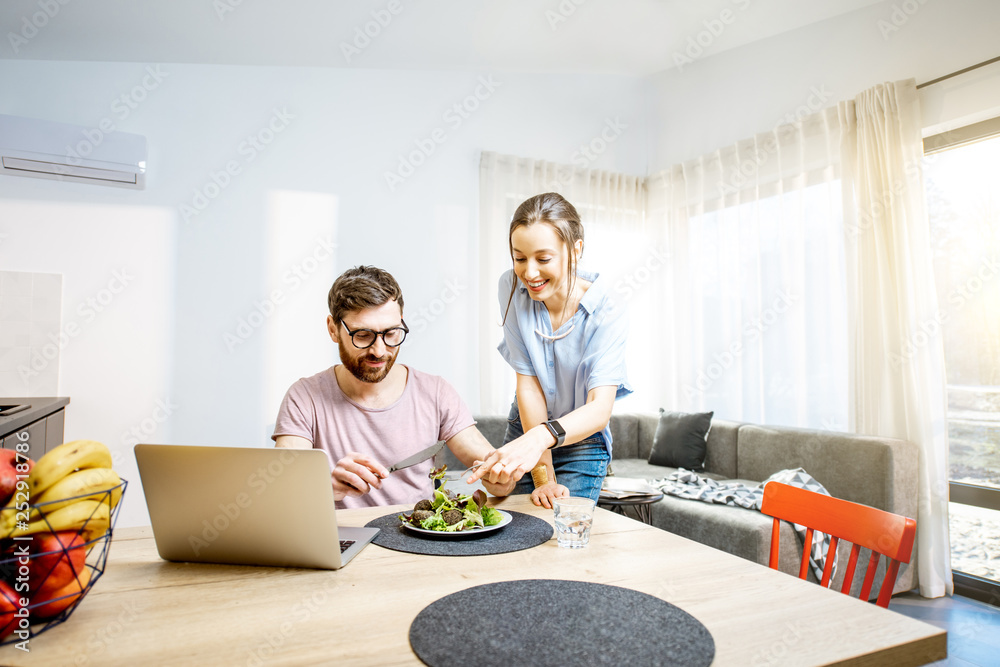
[[642, 504]]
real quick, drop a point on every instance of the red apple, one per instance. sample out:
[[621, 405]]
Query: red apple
[[57, 559], [8, 607], [9, 459], [61, 597]]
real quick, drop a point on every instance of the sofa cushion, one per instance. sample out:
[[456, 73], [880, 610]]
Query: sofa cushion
[[644, 470], [493, 428], [680, 440], [722, 444], [741, 532], [851, 467], [624, 435]]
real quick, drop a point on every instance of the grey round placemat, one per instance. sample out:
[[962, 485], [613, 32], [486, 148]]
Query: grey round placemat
[[523, 532], [554, 622]]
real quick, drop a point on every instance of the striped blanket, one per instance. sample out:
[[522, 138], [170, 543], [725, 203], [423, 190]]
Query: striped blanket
[[690, 485]]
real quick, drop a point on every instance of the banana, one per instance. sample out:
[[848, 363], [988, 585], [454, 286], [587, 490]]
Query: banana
[[64, 459], [101, 484], [92, 483], [90, 518]]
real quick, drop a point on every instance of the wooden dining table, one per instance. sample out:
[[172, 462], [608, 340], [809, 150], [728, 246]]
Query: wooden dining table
[[147, 611]]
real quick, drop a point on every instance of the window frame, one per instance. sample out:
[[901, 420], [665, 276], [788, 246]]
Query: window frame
[[962, 493]]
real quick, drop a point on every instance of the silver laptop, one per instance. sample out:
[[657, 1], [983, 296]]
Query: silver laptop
[[245, 506]]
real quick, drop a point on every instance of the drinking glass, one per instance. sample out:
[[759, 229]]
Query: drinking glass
[[573, 518]]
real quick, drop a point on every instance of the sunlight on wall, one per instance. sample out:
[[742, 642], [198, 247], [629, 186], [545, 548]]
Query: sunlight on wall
[[301, 242]]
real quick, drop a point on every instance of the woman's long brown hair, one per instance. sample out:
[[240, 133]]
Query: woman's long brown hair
[[553, 209]]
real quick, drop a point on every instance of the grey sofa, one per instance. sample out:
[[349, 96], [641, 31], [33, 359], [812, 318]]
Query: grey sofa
[[879, 472]]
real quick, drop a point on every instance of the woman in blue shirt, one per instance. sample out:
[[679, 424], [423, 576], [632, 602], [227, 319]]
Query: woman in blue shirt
[[565, 338]]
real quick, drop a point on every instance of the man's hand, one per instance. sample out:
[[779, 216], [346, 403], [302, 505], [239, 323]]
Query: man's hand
[[356, 474], [544, 495], [514, 459], [500, 490]]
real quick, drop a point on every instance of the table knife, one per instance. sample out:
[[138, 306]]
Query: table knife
[[420, 456]]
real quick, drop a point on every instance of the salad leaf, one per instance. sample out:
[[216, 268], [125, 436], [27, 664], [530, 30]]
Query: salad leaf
[[434, 522], [491, 516], [473, 518], [475, 514], [479, 497], [441, 501]]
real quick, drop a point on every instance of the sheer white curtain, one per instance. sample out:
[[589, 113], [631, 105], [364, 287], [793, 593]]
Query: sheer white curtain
[[754, 308], [785, 279], [611, 208], [897, 352]]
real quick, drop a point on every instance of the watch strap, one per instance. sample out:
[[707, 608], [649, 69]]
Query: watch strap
[[557, 431]]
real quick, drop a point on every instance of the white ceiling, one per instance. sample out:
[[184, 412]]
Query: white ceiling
[[634, 37]]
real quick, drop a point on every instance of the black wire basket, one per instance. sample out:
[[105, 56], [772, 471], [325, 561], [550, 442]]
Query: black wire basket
[[37, 564]]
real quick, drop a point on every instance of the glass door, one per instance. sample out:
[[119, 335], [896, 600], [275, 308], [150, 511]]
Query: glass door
[[962, 185]]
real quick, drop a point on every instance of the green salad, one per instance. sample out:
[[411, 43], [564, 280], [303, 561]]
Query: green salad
[[450, 512]]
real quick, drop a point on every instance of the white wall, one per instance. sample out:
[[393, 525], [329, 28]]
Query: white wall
[[159, 346], [715, 101], [154, 364]]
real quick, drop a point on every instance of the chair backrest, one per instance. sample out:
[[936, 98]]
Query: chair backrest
[[884, 533]]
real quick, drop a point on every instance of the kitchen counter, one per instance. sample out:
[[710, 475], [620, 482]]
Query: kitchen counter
[[43, 421]]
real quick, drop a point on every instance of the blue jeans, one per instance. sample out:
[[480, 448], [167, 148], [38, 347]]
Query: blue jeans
[[580, 467]]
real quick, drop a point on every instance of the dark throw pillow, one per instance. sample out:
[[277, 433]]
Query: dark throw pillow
[[680, 440]]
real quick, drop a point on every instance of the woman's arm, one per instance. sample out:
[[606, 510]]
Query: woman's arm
[[533, 411], [519, 456]]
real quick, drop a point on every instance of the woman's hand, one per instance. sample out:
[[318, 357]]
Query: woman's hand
[[515, 459], [546, 493]]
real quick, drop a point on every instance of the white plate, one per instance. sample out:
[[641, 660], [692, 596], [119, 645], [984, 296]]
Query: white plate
[[507, 518]]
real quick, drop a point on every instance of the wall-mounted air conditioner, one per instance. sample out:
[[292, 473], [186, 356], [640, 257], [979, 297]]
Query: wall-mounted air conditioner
[[60, 151]]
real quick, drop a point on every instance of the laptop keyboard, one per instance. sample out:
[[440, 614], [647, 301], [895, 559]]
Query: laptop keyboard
[[345, 545]]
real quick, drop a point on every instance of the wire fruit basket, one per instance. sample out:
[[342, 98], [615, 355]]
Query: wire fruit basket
[[46, 574]]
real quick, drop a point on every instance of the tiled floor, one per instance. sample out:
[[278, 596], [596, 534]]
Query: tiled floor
[[973, 627]]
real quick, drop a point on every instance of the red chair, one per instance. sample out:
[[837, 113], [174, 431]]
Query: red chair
[[886, 534]]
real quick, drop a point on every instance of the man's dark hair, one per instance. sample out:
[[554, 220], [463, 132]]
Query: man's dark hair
[[362, 287]]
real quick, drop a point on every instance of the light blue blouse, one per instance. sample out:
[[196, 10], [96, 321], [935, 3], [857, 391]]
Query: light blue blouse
[[591, 355]]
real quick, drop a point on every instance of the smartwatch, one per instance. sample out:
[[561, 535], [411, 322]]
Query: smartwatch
[[556, 429]]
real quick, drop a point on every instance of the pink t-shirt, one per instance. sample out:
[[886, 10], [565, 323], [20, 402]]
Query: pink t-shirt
[[429, 410]]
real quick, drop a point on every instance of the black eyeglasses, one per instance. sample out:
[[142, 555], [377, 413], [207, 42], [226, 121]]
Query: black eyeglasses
[[365, 338]]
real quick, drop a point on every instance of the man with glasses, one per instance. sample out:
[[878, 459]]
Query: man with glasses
[[368, 413]]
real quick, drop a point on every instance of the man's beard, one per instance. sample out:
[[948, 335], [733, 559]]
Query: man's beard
[[366, 374]]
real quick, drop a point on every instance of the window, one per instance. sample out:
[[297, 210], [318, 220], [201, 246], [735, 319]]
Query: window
[[961, 171]]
